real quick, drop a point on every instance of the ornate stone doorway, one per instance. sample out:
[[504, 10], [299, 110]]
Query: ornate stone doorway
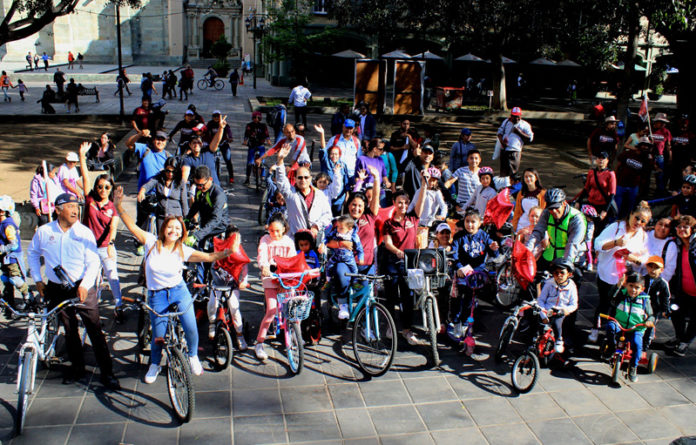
[[213, 28]]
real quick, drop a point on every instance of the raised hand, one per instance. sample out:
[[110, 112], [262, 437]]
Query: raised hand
[[319, 129], [84, 148], [118, 196]]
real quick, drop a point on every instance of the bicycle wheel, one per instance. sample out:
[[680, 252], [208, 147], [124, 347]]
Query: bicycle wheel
[[293, 347], [374, 348], [144, 333], [504, 340], [223, 347], [202, 84], [508, 290], [51, 341], [263, 212], [525, 372], [219, 84], [180, 384], [432, 330], [616, 369], [24, 374]]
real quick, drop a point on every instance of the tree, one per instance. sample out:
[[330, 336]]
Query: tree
[[26, 17], [221, 49]]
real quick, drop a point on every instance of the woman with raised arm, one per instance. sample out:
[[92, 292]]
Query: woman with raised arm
[[164, 263]]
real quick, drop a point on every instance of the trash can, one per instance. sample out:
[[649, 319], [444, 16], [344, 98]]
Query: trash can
[[449, 98]]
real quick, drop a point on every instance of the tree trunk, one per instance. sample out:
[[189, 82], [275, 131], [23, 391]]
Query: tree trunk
[[625, 91], [499, 93]]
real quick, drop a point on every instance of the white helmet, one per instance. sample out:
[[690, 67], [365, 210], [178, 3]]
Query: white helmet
[[7, 204]]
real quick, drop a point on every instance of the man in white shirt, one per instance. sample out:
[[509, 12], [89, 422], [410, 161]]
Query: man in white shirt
[[512, 135], [298, 98], [67, 243]]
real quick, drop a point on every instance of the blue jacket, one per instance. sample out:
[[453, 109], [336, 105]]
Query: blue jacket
[[11, 251], [471, 249], [330, 235]]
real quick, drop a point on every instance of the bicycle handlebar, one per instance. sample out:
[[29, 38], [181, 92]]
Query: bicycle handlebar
[[62, 305], [610, 318], [366, 277], [290, 275], [140, 302]]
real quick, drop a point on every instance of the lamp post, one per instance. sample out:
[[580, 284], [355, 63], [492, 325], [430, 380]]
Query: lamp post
[[255, 24], [120, 58]]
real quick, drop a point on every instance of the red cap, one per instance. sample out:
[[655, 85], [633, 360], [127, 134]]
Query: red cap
[[516, 111]]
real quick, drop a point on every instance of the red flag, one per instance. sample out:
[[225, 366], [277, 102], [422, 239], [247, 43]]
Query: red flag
[[643, 112]]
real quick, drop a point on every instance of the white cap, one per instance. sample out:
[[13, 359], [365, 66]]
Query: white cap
[[216, 112], [72, 157], [443, 226]]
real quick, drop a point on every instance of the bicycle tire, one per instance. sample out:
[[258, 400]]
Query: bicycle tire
[[527, 366], [24, 374], [294, 349], [180, 380], [263, 213], [144, 334], [384, 341], [51, 341], [223, 347], [507, 290], [432, 331], [504, 340], [219, 84], [616, 369], [202, 84]]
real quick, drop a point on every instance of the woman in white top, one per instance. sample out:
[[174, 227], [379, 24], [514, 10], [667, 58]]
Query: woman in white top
[[621, 243], [164, 263], [661, 243]]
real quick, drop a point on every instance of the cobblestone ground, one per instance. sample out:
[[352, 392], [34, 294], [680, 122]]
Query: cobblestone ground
[[331, 401]]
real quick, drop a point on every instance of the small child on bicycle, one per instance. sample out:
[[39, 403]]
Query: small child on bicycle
[[560, 296], [272, 245], [232, 271], [630, 306], [305, 243], [341, 259]]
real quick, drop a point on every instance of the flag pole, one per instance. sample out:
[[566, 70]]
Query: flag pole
[[645, 98], [48, 198]]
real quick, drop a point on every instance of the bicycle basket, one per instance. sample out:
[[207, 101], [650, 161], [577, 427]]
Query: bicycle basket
[[295, 304]]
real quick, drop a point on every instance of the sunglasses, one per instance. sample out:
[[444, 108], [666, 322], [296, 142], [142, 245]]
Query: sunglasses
[[104, 187], [201, 184], [168, 171], [303, 177]]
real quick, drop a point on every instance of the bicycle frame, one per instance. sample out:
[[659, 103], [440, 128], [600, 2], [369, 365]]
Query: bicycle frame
[[420, 304]]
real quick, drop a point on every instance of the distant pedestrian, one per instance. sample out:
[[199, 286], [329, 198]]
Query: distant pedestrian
[[45, 59], [80, 59], [36, 61], [48, 96], [183, 86], [234, 81], [22, 88], [5, 84], [299, 97], [171, 85], [29, 61], [122, 82], [71, 90], [189, 76], [71, 61], [148, 86], [59, 79]]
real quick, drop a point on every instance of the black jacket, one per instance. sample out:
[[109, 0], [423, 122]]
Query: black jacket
[[175, 204], [212, 209], [658, 289], [675, 283]]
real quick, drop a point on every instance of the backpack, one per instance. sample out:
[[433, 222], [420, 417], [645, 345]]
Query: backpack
[[273, 117]]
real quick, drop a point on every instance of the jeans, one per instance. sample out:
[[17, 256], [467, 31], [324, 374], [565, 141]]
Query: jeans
[[625, 199], [4, 91], [635, 338], [226, 152], [159, 301], [397, 290], [340, 283], [111, 272]]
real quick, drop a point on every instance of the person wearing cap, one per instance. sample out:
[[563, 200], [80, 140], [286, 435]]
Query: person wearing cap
[[298, 147], [599, 191], [632, 165], [366, 124], [234, 81], [559, 295], [185, 126], [603, 138], [460, 150], [662, 150], [67, 243], [299, 96], [513, 133], [443, 237], [349, 145], [69, 177], [255, 137], [198, 157], [225, 149], [684, 203]]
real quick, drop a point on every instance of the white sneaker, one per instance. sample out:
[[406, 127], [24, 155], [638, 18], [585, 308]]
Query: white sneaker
[[242, 343], [260, 353], [196, 367], [211, 331], [343, 313], [411, 338], [594, 335], [152, 373], [559, 348]]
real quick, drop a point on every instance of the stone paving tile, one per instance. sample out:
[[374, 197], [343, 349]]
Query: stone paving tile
[[396, 420], [253, 378], [517, 433], [207, 431], [491, 411], [429, 389], [605, 428], [150, 409], [619, 399], [98, 409], [308, 377], [686, 387], [445, 415], [533, 407], [390, 392], [558, 431], [259, 429], [305, 398], [312, 426], [577, 403], [256, 402], [362, 441], [53, 435], [346, 395], [648, 424], [137, 433], [103, 433], [213, 381], [682, 416], [659, 394], [480, 386], [408, 439], [355, 423], [212, 404], [59, 411], [469, 436]]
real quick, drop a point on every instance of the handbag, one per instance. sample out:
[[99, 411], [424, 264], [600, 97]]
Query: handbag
[[142, 278], [611, 208]]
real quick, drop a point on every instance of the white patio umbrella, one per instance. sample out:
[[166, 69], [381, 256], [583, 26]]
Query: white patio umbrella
[[428, 56], [542, 61], [349, 54], [568, 62], [469, 58], [506, 60], [396, 54]]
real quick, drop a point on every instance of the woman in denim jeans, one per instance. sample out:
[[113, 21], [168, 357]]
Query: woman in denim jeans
[[164, 264]]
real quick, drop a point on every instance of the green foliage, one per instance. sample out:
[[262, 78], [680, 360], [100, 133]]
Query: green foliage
[[221, 49], [222, 67]]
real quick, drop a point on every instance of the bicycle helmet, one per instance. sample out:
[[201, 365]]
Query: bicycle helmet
[[589, 210], [434, 172], [562, 263], [554, 198], [485, 171], [690, 179]]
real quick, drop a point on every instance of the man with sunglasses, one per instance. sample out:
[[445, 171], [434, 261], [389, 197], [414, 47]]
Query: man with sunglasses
[[308, 207], [255, 137]]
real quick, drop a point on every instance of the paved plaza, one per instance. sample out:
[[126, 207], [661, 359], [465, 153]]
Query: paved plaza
[[466, 401]]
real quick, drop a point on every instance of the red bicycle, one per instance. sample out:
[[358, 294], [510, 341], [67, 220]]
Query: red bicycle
[[624, 353]]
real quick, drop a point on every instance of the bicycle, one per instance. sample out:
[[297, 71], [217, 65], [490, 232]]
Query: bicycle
[[624, 353], [509, 328], [40, 343], [204, 84], [293, 307], [374, 330], [463, 333], [179, 376], [525, 369]]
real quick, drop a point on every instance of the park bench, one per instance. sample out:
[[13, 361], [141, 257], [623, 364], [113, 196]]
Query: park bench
[[82, 91]]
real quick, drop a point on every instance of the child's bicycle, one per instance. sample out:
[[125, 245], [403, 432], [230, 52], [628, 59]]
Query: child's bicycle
[[462, 331], [42, 333], [525, 369], [293, 306], [624, 353], [374, 331]]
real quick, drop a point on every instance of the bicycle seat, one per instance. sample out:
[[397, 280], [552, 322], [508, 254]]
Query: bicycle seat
[[222, 288]]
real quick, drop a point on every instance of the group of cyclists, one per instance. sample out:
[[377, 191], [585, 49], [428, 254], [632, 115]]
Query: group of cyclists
[[372, 201]]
